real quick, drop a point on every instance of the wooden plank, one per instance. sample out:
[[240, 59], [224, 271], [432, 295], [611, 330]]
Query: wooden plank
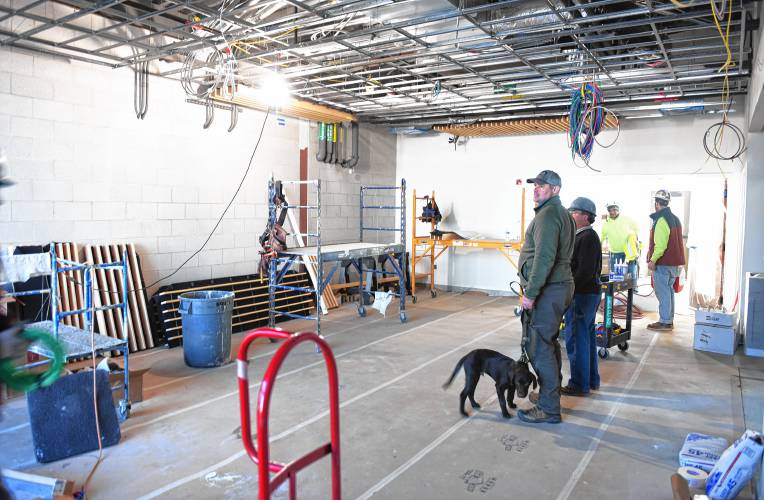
[[79, 290], [311, 266], [140, 291], [328, 298], [132, 300], [75, 290], [103, 289], [296, 108], [116, 256], [72, 282], [332, 301], [100, 317], [63, 287], [264, 293], [113, 292]]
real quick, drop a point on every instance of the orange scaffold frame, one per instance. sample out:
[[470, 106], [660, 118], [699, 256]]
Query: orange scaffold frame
[[425, 246]]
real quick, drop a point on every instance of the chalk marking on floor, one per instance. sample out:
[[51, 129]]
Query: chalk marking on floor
[[422, 453], [160, 349], [297, 370], [584, 463], [14, 428], [270, 353], [263, 355], [305, 423]]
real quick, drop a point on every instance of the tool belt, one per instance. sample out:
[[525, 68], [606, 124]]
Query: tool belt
[[274, 238]]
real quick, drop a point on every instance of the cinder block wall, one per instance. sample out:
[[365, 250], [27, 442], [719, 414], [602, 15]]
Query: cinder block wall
[[340, 220], [86, 170]]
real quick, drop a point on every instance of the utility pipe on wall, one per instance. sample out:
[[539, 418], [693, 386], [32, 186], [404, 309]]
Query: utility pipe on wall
[[321, 155]]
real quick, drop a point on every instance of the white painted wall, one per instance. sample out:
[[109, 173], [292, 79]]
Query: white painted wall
[[755, 105], [86, 170], [477, 183], [753, 241]]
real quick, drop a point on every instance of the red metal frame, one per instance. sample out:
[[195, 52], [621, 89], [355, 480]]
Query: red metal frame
[[260, 455]]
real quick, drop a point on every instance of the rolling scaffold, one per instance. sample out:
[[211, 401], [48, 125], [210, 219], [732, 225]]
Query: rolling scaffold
[[80, 343], [320, 254]]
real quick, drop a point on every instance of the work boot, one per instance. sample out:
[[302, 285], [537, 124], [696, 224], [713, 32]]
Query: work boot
[[537, 416], [569, 390], [660, 327]]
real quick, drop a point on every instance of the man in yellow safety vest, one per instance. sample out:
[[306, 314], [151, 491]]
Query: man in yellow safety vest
[[620, 234]]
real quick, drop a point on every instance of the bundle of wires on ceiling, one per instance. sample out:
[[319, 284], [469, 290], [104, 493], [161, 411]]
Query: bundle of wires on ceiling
[[214, 67], [217, 72], [336, 30], [588, 117], [714, 139]]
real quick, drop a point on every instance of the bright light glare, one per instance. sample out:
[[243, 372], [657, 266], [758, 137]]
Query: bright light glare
[[274, 90]]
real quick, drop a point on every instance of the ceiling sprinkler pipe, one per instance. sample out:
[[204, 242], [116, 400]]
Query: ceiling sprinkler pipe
[[321, 155]]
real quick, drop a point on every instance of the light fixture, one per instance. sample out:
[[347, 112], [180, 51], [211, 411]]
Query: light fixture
[[273, 90]]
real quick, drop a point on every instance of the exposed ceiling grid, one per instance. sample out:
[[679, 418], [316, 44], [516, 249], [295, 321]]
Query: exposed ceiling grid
[[414, 62]]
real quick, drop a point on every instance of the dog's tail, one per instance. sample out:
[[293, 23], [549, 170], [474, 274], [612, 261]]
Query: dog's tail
[[453, 374]]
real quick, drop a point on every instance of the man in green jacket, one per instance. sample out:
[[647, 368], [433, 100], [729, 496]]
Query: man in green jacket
[[544, 270], [664, 258]]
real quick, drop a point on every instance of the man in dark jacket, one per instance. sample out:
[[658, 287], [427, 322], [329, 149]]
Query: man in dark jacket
[[580, 340], [544, 270], [664, 257]]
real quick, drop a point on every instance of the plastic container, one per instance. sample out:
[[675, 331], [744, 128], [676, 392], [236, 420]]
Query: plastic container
[[206, 320]]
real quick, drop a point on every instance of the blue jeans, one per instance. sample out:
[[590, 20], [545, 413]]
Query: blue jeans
[[619, 257], [580, 341], [663, 283]]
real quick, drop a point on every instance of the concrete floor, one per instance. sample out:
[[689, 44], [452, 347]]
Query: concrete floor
[[402, 435]]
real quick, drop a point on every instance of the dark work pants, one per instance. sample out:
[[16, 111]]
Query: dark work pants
[[542, 327]]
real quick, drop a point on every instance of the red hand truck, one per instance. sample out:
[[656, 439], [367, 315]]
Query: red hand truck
[[260, 455]]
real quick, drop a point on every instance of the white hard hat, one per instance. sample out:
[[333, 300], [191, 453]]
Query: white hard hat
[[664, 195], [611, 204]]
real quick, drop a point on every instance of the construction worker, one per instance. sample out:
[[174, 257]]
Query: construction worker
[[580, 337], [547, 281], [664, 258], [620, 234]]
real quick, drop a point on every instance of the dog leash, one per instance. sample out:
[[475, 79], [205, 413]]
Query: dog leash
[[524, 341]]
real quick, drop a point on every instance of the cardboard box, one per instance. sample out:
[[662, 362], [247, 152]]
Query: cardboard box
[[117, 379], [720, 339], [25, 485], [715, 318]]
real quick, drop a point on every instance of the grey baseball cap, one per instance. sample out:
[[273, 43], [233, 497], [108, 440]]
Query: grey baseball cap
[[547, 177]]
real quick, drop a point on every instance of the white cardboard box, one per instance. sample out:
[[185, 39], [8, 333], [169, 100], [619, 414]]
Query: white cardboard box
[[714, 318], [720, 339]]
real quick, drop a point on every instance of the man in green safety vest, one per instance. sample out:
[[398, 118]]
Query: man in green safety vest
[[620, 234]]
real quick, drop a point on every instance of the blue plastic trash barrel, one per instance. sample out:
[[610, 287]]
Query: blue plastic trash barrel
[[206, 327]]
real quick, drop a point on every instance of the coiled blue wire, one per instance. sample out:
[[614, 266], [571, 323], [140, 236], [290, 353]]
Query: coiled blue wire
[[586, 120]]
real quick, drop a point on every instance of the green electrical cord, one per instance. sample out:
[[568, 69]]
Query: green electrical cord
[[25, 381]]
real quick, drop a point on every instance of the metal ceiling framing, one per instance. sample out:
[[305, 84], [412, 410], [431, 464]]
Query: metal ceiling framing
[[416, 62]]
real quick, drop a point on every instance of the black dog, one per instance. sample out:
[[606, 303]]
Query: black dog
[[505, 371]]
